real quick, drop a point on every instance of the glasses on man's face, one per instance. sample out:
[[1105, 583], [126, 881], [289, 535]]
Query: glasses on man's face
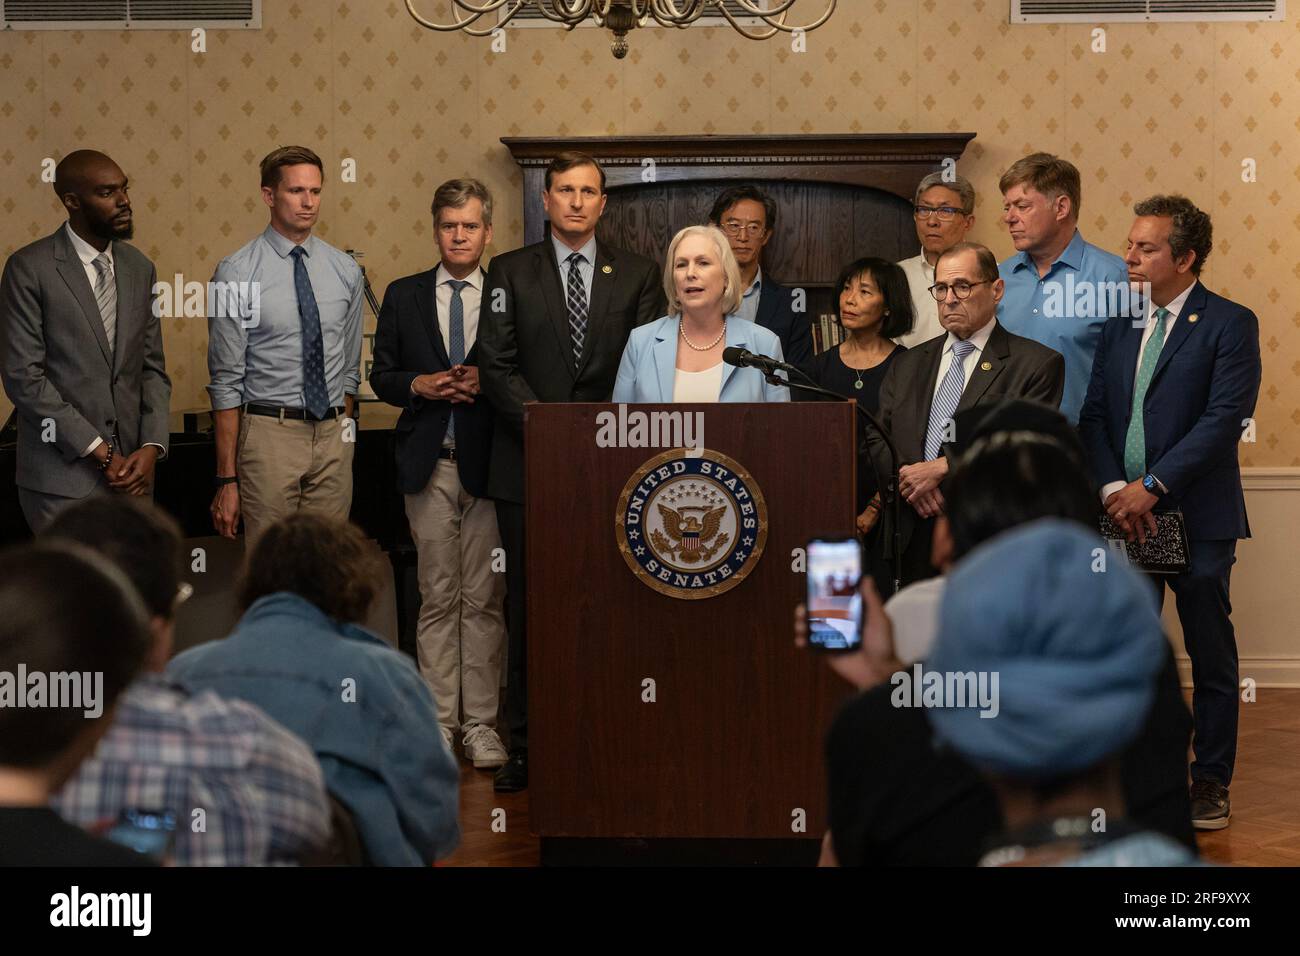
[[734, 227], [961, 289], [943, 213]]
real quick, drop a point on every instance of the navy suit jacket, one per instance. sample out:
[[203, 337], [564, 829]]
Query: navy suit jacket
[[1204, 386], [794, 329], [408, 342]]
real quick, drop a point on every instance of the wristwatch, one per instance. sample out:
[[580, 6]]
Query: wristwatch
[[1151, 485], [226, 480]]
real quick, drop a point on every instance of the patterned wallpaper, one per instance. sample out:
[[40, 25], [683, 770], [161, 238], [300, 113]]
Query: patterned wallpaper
[[1173, 107]]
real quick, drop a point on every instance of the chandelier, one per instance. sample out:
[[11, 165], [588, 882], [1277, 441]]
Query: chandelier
[[622, 16]]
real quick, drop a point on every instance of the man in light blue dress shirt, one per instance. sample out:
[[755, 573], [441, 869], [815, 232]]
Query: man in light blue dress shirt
[[1060, 290], [284, 344]]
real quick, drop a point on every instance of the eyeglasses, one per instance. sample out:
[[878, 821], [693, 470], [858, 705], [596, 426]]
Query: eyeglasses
[[960, 289], [734, 228], [944, 213]]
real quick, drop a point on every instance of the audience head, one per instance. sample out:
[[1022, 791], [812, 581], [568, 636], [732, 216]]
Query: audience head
[[324, 561], [291, 185], [967, 287], [462, 224], [1040, 202], [748, 217], [574, 196], [145, 544], [1010, 478], [874, 295], [93, 189], [1076, 647], [944, 212], [1168, 245], [700, 273], [73, 624]]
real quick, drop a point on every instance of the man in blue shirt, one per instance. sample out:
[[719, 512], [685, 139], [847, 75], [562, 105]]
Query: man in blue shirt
[[1059, 289], [284, 343]]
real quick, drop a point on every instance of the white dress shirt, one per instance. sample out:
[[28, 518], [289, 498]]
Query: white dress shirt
[[470, 295], [920, 276], [748, 308], [1174, 307], [979, 340]]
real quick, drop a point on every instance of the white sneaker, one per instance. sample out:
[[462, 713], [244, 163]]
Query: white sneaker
[[484, 748]]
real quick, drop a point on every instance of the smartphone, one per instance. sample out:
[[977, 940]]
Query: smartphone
[[151, 832], [834, 601]]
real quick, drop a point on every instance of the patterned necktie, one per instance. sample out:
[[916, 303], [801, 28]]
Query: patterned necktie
[[106, 297], [456, 330], [1135, 442], [576, 297], [314, 391], [947, 398]]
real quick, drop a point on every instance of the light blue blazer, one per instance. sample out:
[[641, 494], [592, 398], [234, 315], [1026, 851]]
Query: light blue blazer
[[649, 364]]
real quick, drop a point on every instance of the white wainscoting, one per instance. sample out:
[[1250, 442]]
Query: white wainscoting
[[1265, 584]]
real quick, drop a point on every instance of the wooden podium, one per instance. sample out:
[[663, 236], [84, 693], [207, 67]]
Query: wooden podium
[[692, 717]]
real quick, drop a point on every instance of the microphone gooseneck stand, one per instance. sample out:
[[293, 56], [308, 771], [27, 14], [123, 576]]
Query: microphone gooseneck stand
[[769, 368]]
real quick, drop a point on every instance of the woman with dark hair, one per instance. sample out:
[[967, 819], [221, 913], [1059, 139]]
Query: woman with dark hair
[[300, 654], [874, 307]]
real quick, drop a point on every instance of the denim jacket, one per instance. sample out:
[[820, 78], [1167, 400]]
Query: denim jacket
[[359, 704]]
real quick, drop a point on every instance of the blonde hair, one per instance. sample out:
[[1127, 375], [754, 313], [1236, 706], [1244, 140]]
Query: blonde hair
[[731, 292]]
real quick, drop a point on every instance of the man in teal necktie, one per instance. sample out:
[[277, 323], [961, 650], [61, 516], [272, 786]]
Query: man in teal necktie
[[1166, 408]]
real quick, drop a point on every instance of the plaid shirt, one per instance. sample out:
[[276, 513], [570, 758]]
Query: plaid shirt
[[260, 788]]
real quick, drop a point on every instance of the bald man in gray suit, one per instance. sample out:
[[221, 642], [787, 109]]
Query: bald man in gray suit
[[81, 350]]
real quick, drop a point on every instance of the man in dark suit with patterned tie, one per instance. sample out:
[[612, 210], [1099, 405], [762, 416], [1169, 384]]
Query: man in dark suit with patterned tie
[[82, 349], [426, 363], [975, 362], [1170, 395], [556, 316]]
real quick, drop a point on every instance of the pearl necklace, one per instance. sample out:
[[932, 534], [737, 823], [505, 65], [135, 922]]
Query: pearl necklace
[[712, 345]]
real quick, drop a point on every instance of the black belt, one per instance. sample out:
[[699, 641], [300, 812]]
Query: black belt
[[448, 453], [277, 411]]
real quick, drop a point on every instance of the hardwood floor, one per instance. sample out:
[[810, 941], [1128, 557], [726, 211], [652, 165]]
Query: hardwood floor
[[1265, 829]]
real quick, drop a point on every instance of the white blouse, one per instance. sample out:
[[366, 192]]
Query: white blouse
[[703, 386]]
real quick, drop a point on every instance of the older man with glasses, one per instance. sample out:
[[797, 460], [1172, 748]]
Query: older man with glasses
[[945, 212], [976, 362]]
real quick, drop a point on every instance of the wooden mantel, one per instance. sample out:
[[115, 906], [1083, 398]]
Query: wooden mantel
[[891, 162]]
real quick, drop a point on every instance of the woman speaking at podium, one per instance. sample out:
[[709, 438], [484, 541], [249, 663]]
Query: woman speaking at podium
[[678, 358]]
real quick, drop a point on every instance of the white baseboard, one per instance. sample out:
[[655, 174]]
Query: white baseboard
[[1277, 673]]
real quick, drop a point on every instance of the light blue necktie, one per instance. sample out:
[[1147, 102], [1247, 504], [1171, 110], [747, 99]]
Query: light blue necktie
[[456, 334], [1135, 442], [947, 399], [314, 392]]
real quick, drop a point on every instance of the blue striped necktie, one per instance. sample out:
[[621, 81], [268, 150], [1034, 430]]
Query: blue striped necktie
[[947, 398]]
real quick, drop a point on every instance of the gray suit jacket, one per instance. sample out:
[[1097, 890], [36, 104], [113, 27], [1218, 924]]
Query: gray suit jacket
[[58, 371]]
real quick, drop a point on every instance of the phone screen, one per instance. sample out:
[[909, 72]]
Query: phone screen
[[834, 601], [146, 831]]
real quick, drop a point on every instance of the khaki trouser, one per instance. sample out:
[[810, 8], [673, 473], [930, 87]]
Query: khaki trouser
[[461, 631], [292, 465]]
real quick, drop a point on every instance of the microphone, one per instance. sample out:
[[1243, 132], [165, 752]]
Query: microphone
[[743, 358]]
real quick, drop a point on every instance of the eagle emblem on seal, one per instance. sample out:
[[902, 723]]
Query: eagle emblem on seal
[[692, 533]]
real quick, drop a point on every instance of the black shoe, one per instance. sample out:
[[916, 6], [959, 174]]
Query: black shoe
[[1211, 808], [514, 775]]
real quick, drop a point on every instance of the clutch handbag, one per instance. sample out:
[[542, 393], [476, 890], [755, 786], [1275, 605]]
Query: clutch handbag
[[1165, 552]]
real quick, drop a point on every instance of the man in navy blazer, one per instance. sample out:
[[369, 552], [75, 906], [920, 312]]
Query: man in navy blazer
[[748, 216], [1167, 403], [426, 363]]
